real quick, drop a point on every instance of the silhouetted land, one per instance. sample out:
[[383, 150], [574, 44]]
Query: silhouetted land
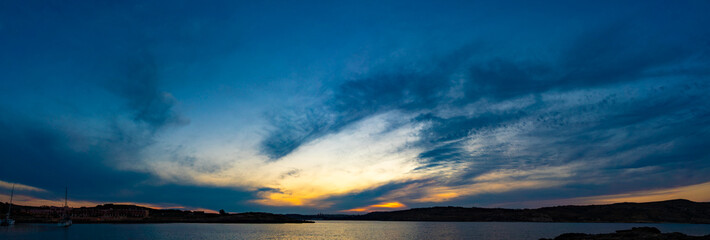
[[634, 233], [116, 213], [672, 211]]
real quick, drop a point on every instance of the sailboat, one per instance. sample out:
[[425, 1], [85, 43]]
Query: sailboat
[[65, 221], [9, 221]]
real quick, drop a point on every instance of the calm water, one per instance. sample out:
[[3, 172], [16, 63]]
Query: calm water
[[329, 230]]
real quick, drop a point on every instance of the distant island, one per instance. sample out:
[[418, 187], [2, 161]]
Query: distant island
[[672, 211], [633, 233], [119, 213]]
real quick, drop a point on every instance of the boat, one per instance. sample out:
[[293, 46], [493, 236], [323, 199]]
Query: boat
[[65, 220], [9, 221]]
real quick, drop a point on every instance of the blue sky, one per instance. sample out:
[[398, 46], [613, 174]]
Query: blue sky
[[354, 106]]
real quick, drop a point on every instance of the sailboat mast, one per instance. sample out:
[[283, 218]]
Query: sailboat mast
[[65, 221], [9, 208]]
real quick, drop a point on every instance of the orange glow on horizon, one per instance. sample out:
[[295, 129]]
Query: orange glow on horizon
[[279, 199], [356, 210], [148, 205], [388, 205], [380, 206], [698, 192]]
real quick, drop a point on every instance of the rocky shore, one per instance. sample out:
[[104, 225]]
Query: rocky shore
[[641, 233]]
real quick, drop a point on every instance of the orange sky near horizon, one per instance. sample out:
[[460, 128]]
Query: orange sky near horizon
[[697, 193]]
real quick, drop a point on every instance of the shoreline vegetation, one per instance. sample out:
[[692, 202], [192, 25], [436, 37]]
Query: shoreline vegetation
[[671, 211]]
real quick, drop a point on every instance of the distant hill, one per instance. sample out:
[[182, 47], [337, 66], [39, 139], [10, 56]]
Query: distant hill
[[675, 211], [120, 213], [672, 211]]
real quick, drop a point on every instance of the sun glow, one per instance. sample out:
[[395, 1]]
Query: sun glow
[[380, 206], [366, 155], [388, 205]]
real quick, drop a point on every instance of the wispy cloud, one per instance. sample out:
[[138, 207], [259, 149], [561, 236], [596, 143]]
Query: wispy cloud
[[20, 187], [471, 125], [364, 155], [443, 109]]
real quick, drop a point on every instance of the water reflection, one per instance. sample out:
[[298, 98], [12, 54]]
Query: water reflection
[[328, 230]]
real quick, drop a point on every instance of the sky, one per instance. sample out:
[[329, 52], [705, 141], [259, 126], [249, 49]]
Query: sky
[[354, 106]]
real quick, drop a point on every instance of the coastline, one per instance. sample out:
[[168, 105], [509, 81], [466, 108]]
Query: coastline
[[633, 233]]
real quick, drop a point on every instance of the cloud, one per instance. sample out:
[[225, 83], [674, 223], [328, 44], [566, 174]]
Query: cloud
[[73, 147], [611, 54], [609, 102], [27, 200], [148, 111], [136, 80], [355, 100], [621, 104], [20, 187], [362, 156], [292, 128], [55, 155]]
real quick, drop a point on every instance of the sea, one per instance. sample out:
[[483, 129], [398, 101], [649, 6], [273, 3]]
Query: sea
[[330, 230]]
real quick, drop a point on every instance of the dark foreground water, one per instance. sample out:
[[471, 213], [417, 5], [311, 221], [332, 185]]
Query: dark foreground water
[[329, 230]]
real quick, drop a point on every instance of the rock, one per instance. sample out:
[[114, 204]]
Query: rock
[[641, 233]]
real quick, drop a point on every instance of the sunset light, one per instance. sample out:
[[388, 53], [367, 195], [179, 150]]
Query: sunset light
[[345, 107]]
